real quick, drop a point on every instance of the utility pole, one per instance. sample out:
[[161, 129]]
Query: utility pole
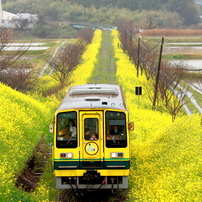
[[158, 75], [1, 13], [138, 57]]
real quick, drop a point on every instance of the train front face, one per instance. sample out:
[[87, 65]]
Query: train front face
[[91, 149]]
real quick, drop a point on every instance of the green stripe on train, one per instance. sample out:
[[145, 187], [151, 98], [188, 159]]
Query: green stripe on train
[[73, 165], [107, 159]]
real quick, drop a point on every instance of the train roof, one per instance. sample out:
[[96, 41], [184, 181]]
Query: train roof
[[94, 96]]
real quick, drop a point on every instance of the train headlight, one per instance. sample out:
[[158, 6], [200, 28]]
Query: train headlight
[[117, 154], [66, 155]]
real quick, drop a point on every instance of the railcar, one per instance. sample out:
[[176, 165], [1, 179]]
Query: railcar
[[87, 152]]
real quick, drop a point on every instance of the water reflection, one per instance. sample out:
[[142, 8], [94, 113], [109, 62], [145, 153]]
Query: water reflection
[[191, 43], [15, 48], [189, 64], [24, 46], [180, 48]]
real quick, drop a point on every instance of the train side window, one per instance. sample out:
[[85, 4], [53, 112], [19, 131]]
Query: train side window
[[116, 129], [66, 130], [91, 129]]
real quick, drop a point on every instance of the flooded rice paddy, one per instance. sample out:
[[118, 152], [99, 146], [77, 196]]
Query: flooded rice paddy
[[180, 48], [25, 46]]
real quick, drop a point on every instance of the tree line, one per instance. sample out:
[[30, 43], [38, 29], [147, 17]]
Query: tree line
[[23, 77], [184, 12], [164, 78]]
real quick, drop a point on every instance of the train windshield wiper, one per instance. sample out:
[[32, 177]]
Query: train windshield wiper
[[113, 139]]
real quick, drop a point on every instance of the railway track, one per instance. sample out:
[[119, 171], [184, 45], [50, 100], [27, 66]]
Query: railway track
[[104, 73], [105, 68], [98, 196]]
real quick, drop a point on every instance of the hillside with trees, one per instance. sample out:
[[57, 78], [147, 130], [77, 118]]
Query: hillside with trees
[[164, 14]]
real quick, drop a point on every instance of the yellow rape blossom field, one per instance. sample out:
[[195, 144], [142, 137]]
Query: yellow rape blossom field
[[166, 161], [82, 72], [23, 120], [166, 155], [45, 188]]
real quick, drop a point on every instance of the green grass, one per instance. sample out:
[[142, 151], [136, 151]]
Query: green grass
[[179, 39], [35, 52], [182, 39], [191, 76], [105, 62], [50, 44], [182, 56]]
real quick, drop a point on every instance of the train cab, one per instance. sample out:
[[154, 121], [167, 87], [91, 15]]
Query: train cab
[[91, 138]]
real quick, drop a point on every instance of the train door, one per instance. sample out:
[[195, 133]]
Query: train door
[[91, 125]]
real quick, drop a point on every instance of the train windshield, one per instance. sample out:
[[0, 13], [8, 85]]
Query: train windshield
[[116, 129], [91, 129], [66, 130]]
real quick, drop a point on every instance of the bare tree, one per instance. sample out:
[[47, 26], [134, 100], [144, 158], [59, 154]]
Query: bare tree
[[8, 58], [167, 86], [127, 32], [175, 99], [172, 90], [86, 34], [69, 58], [19, 76], [198, 83], [140, 52]]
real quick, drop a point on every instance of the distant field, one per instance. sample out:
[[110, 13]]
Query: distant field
[[37, 57], [172, 32], [179, 44]]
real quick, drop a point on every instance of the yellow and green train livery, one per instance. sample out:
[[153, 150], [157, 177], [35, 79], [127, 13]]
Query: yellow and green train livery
[[91, 138]]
